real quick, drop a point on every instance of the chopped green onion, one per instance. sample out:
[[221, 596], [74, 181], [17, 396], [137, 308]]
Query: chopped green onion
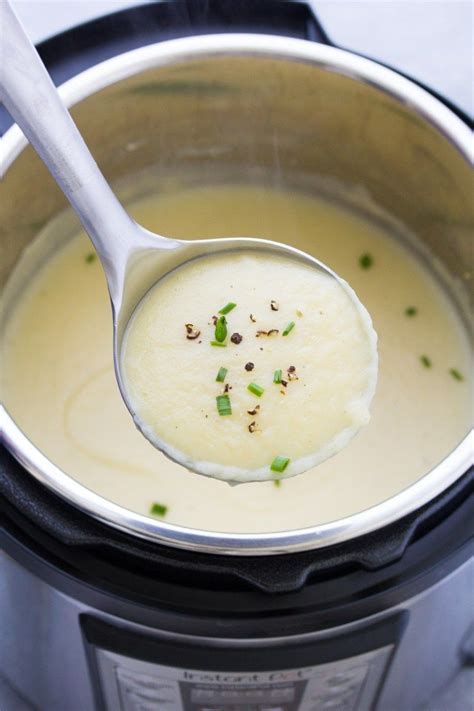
[[223, 405], [411, 311], [289, 328], [91, 257], [456, 374], [227, 308], [220, 334], [279, 464], [220, 377], [158, 509], [426, 361], [256, 389], [277, 377], [366, 260], [277, 482], [218, 345]]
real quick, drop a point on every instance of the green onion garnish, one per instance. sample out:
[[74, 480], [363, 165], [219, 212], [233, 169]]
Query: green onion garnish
[[256, 389], [366, 260], [158, 509], [277, 482], [228, 307], [456, 374], [220, 334], [220, 377], [223, 405], [411, 311], [289, 328], [277, 377], [426, 361], [279, 464], [217, 344], [91, 257]]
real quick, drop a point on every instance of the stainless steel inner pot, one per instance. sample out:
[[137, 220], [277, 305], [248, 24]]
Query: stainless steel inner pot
[[276, 110]]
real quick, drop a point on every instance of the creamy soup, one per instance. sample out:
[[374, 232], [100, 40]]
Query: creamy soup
[[247, 366], [59, 384]]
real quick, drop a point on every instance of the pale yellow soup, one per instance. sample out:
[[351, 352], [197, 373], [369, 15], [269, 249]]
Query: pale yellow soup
[[213, 405], [59, 384]]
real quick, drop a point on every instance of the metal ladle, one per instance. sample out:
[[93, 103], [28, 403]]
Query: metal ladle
[[133, 258]]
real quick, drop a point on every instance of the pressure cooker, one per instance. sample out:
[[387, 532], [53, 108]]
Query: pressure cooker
[[105, 609]]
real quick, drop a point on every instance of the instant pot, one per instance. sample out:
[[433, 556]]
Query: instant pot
[[105, 609]]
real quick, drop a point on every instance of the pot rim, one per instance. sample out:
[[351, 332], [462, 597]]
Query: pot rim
[[331, 59]]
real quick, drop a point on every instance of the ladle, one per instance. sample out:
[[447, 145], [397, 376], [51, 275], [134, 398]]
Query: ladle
[[133, 258]]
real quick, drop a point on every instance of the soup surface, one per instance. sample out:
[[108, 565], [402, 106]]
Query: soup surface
[[59, 384], [271, 387]]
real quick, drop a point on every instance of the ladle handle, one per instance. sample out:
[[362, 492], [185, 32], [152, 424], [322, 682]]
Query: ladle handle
[[31, 98]]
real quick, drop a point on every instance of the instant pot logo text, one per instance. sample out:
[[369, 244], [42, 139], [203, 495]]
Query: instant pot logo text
[[282, 676]]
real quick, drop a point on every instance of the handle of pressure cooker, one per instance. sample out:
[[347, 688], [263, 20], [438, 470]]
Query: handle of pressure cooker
[[81, 47]]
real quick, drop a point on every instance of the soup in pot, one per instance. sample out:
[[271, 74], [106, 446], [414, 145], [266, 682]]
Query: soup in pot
[[59, 385]]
